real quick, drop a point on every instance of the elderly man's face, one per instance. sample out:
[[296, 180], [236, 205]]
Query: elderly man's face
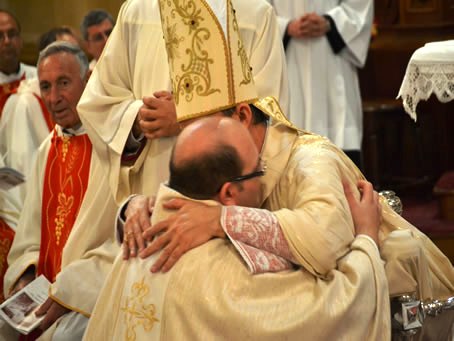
[[61, 87], [97, 37], [10, 40]]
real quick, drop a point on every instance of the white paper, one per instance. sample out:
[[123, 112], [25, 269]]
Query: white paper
[[19, 310]]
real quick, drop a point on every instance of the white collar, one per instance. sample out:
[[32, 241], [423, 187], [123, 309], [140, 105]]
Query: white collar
[[80, 130]]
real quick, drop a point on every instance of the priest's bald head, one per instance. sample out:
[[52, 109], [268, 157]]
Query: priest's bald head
[[216, 158]]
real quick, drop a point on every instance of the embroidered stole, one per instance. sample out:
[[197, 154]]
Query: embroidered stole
[[6, 239], [46, 114], [65, 182], [7, 90]]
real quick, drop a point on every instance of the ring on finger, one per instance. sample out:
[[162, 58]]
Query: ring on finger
[[128, 236]]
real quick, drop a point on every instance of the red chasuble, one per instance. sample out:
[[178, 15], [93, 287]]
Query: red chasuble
[[46, 114], [6, 239], [6, 90], [65, 182]]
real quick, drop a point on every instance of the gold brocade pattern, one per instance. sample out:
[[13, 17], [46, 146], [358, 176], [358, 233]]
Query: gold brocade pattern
[[64, 208], [189, 13], [137, 312], [65, 147], [172, 42], [270, 107], [245, 67], [65, 202], [194, 75], [207, 60]]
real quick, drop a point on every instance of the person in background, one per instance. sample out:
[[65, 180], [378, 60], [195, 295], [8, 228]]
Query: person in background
[[57, 185], [96, 27], [325, 44], [12, 71], [26, 122], [24, 125]]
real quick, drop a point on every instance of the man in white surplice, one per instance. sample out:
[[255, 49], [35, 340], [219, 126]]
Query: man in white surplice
[[326, 41]]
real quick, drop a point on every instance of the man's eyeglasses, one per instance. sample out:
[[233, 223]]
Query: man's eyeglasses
[[249, 176], [260, 172], [100, 36], [12, 34]]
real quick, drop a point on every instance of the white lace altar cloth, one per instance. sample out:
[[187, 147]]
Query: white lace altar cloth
[[430, 71]]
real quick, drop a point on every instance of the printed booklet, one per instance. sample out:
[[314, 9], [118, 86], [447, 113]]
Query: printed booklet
[[19, 310]]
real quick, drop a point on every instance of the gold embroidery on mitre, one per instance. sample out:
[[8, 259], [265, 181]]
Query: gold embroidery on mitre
[[245, 67], [189, 13], [193, 76], [270, 107], [209, 68], [137, 312]]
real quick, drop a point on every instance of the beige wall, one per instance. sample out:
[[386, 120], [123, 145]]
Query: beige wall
[[38, 16]]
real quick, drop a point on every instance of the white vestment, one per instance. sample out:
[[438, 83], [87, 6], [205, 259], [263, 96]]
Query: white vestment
[[22, 129], [26, 245], [26, 71], [10, 206], [209, 295], [14, 195], [134, 65], [86, 257], [324, 88]]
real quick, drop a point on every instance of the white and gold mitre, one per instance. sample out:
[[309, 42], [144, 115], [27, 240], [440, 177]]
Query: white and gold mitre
[[208, 64]]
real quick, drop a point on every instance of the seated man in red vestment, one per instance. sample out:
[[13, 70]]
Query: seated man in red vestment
[[25, 121], [57, 183]]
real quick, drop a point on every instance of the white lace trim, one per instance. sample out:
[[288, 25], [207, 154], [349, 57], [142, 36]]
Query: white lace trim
[[424, 79]]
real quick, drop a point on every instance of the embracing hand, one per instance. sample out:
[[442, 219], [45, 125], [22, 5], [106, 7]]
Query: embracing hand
[[366, 212], [192, 225], [138, 215]]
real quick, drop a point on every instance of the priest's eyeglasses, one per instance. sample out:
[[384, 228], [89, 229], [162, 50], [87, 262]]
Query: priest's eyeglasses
[[260, 172]]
